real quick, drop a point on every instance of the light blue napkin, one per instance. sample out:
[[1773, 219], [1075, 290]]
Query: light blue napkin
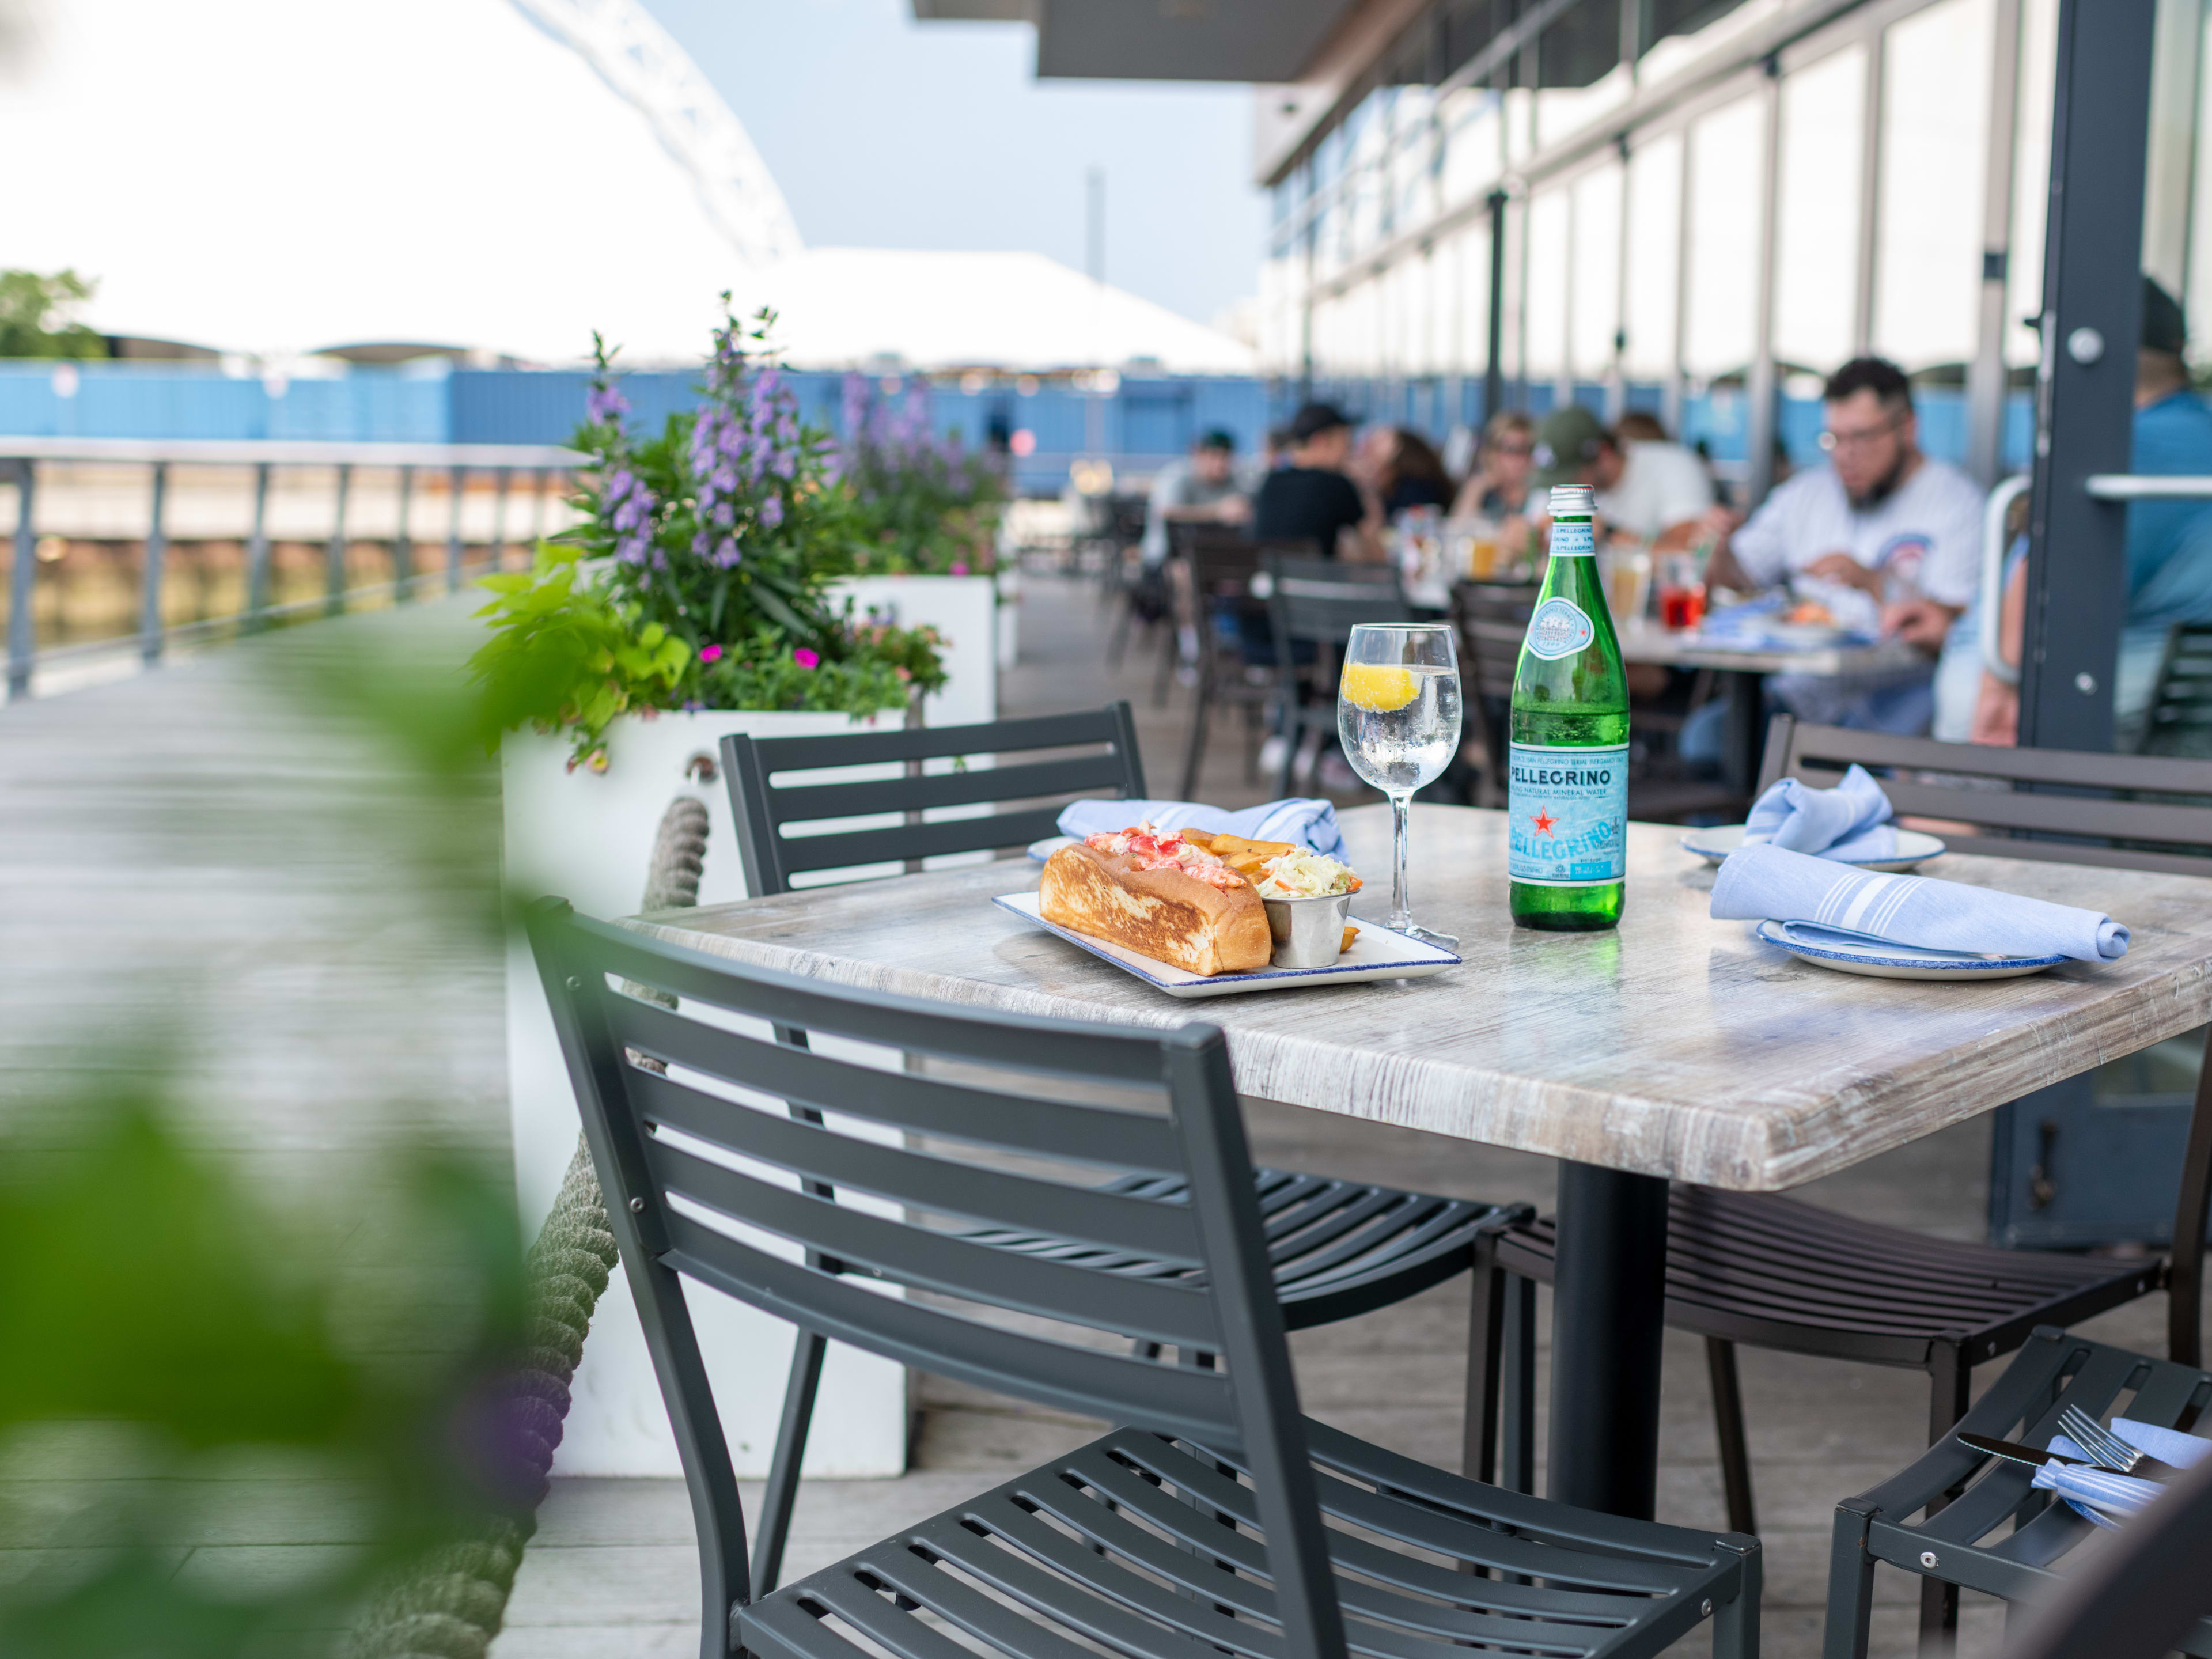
[[1851, 821], [1310, 823], [2062, 1447], [1757, 884], [2184, 1451], [2083, 1485]]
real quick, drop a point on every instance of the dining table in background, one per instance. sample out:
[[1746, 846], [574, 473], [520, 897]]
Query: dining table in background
[[1673, 1048], [1741, 672]]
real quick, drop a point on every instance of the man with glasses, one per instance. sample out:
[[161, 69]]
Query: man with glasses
[[1886, 539]]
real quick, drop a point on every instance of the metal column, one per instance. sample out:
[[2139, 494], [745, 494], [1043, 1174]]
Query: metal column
[[1986, 377], [22, 583], [1493, 371], [1870, 202], [498, 518], [1760, 388], [403, 543], [151, 579], [334, 558], [257, 548], [1608, 1322], [453, 535], [2077, 586]]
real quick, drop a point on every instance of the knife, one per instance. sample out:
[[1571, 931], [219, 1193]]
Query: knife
[[2013, 1452]]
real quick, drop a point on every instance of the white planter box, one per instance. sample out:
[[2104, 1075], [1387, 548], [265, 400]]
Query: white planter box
[[588, 838], [965, 610], [1009, 618]]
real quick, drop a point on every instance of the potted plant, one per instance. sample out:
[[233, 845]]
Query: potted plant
[[930, 510], [698, 595]]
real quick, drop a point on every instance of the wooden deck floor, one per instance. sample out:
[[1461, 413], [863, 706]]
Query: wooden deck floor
[[188, 844]]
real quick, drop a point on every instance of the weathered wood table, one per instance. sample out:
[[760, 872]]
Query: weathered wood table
[[1677, 1047]]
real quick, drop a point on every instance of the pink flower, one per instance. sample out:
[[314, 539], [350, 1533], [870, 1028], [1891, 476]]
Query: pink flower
[[960, 568], [806, 659], [710, 654]]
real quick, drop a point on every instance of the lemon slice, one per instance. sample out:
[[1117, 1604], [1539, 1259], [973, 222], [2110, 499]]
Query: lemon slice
[[1376, 687]]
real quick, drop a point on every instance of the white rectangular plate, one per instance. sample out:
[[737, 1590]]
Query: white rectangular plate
[[1377, 953]]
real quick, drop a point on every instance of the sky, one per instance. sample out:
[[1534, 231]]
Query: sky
[[886, 133]]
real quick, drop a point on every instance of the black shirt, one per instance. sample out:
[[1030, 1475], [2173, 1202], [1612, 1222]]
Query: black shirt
[[1307, 504], [1414, 492]]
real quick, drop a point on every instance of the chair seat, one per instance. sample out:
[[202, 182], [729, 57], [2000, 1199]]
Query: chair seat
[[2000, 1535], [1776, 1272], [1338, 1247], [1143, 1547]]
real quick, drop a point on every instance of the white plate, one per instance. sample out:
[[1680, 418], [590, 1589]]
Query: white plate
[[1377, 953], [1853, 953], [1041, 850], [1912, 848]]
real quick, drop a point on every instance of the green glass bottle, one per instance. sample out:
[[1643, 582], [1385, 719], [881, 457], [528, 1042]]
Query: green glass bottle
[[1567, 756]]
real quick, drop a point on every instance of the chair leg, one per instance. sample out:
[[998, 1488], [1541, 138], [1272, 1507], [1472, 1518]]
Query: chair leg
[[783, 1470], [1950, 1381], [1117, 642], [1517, 1398], [1201, 713], [1735, 1623], [1486, 1332], [1850, 1589], [1727, 1425]]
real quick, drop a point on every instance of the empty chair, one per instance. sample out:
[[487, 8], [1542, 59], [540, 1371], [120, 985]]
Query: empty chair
[[1492, 619], [1217, 567], [1336, 1247], [1199, 1523], [1315, 603], [2179, 719], [1776, 1273]]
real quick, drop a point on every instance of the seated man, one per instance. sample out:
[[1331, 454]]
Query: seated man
[[1312, 499], [2169, 545], [1200, 487], [1644, 487], [1884, 535]]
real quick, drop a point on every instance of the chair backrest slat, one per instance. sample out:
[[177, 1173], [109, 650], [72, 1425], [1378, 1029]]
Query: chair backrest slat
[[1052, 1208], [766, 810], [1323, 599]]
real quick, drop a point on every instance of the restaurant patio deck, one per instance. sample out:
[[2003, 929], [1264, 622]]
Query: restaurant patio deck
[[208, 827]]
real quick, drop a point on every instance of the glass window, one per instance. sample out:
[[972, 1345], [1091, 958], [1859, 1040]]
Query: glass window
[[1472, 132], [1720, 322], [1654, 240], [1596, 287], [1817, 217], [1472, 353], [1680, 32], [1544, 310], [1928, 240]]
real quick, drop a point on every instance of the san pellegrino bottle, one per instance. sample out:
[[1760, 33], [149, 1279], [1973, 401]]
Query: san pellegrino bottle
[[1567, 759]]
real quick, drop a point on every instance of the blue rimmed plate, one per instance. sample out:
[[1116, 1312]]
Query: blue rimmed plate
[[1377, 953], [1913, 846], [1878, 958]]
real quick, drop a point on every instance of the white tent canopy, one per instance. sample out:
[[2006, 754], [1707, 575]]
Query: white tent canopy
[[500, 176]]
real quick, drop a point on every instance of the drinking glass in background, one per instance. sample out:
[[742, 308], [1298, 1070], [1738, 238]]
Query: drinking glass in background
[[1398, 715], [1681, 592], [1627, 567]]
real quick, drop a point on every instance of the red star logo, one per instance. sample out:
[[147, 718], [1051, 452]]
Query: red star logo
[[1543, 821]]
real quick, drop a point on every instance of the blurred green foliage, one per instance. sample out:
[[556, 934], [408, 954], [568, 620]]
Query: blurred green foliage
[[33, 316]]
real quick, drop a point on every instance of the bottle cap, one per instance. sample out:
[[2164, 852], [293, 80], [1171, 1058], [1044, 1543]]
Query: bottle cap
[[1568, 499]]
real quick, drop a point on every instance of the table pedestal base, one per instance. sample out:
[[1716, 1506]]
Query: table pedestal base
[[1607, 1321]]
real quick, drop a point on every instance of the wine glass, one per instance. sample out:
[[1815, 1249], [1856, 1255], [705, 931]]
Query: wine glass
[[1398, 714]]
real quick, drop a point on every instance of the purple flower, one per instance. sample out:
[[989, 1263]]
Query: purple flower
[[771, 512], [710, 654], [603, 405], [804, 658]]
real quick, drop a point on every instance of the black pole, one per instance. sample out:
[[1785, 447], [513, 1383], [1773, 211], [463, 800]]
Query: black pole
[[1494, 373], [1609, 1320], [2078, 587]]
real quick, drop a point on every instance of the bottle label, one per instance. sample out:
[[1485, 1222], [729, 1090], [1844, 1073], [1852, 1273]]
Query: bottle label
[[1558, 629], [1573, 537], [1569, 809]]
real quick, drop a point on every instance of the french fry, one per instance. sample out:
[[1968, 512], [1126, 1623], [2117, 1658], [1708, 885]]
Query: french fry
[[1349, 934]]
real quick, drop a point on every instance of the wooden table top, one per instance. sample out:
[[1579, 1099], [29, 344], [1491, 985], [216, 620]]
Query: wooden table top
[[1645, 641], [1675, 1045]]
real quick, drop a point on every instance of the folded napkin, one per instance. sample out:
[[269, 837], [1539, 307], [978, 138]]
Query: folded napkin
[[1851, 821], [1771, 883], [2184, 1451], [1310, 824]]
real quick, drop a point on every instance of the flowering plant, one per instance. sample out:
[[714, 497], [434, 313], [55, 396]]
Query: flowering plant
[[697, 575], [927, 506]]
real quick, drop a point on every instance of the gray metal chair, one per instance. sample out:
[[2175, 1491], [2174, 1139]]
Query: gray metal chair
[[1200, 1523], [1337, 1248], [1315, 604]]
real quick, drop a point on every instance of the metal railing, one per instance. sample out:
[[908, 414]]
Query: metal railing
[[2102, 486], [459, 461]]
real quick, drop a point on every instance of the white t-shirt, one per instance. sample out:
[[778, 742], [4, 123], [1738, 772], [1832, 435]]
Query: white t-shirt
[[1926, 539], [1662, 484]]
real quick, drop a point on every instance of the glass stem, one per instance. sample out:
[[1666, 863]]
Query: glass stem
[[1401, 914]]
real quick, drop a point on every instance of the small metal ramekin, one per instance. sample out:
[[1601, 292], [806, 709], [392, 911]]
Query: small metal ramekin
[[1309, 932]]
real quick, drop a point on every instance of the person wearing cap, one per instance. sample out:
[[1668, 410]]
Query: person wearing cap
[[2169, 550], [1644, 487], [1312, 499], [1886, 538], [1199, 487]]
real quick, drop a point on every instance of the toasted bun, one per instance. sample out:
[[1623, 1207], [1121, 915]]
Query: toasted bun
[[1162, 914]]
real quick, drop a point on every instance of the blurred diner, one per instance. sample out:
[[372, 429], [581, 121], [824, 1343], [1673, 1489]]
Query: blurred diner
[[1314, 498], [1498, 487], [1199, 487], [1403, 470], [1646, 487]]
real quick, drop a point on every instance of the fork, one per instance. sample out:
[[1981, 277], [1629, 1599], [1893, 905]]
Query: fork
[[2107, 1447]]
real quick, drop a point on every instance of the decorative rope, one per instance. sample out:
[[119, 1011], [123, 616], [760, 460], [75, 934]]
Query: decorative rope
[[451, 1602]]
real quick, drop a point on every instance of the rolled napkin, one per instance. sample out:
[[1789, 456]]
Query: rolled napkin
[[1851, 821], [1310, 824], [1759, 883], [2123, 1494]]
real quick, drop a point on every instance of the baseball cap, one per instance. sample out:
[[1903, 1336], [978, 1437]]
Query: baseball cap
[[1314, 419], [1566, 442]]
